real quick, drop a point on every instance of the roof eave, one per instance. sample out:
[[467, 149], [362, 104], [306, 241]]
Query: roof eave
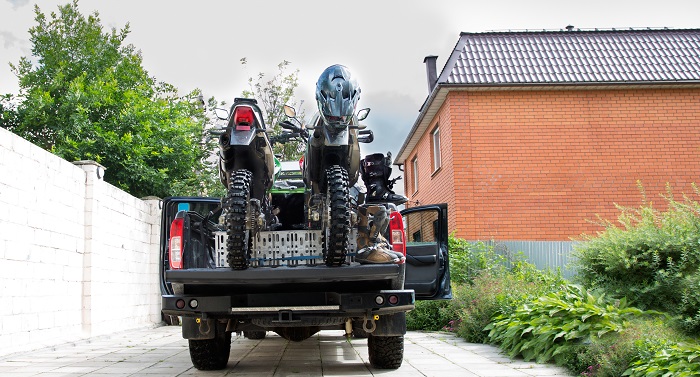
[[427, 105]]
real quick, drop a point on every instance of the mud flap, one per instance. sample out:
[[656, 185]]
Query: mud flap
[[198, 329], [391, 325]]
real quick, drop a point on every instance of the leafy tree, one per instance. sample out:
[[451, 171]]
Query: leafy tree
[[86, 96], [272, 95]]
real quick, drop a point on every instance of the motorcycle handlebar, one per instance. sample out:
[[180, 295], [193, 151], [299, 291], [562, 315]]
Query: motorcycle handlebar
[[287, 125], [283, 138]]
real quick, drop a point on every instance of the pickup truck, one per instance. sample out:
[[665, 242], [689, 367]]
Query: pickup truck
[[288, 289]]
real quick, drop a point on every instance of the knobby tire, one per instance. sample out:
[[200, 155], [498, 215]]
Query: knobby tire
[[337, 232], [238, 243]]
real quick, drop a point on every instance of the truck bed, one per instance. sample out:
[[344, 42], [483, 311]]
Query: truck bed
[[352, 278]]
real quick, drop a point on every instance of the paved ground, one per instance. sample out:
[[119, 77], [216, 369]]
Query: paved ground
[[163, 352]]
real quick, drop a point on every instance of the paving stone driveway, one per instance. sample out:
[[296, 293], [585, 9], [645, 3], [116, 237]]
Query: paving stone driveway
[[162, 352]]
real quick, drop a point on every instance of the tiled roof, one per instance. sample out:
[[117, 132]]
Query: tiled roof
[[565, 57]]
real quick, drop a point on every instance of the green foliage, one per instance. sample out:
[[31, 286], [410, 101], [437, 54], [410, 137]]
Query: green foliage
[[676, 360], [499, 292], [272, 95], [653, 259], [87, 97], [8, 111], [483, 287], [432, 315], [538, 315], [612, 354], [469, 259], [554, 324]]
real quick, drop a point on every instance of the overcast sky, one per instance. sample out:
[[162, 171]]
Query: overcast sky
[[198, 44]]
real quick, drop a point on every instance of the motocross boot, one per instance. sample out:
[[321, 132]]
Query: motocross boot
[[376, 170], [371, 245]]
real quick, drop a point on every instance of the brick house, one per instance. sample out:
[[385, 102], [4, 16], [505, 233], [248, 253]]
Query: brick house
[[529, 136]]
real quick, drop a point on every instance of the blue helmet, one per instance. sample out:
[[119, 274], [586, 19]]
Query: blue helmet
[[337, 93]]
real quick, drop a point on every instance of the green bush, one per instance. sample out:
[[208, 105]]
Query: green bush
[[676, 360], [469, 259], [653, 259], [556, 323], [432, 315], [482, 287], [612, 354], [499, 291]]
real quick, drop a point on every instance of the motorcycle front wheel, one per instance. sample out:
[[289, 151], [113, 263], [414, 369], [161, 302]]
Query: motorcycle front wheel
[[236, 205], [336, 232]]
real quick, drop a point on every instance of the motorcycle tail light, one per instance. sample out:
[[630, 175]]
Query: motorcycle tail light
[[175, 253], [243, 118], [397, 235]]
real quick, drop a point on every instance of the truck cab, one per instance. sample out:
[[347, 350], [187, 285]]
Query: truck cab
[[288, 290]]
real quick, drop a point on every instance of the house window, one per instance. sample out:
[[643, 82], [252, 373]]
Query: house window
[[436, 149], [415, 174]]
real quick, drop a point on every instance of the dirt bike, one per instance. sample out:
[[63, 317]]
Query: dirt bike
[[246, 169], [330, 168]]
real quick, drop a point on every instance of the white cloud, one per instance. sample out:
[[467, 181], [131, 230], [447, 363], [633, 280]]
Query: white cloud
[[18, 3], [8, 39]]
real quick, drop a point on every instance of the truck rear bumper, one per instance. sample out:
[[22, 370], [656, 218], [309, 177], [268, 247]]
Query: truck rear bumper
[[289, 304]]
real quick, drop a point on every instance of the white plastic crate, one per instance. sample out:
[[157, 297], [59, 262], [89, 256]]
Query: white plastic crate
[[220, 252], [284, 248]]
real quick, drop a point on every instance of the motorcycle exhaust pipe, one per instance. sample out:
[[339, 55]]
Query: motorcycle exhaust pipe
[[225, 141]]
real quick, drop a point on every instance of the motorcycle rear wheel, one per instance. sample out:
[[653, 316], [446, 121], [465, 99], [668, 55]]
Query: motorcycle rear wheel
[[239, 241], [336, 234]]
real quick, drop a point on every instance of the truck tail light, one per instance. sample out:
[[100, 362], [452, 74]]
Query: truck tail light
[[243, 118], [176, 231], [396, 233]]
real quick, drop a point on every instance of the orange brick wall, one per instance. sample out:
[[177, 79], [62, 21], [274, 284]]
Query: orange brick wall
[[539, 165], [433, 184]]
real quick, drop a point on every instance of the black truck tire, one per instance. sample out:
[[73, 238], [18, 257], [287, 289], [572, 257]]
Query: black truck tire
[[254, 335], [337, 233], [238, 243], [211, 354], [385, 352]]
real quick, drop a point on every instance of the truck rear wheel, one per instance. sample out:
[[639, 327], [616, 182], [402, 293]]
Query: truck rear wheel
[[385, 352], [336, 234], [236, 204], [211, 354]]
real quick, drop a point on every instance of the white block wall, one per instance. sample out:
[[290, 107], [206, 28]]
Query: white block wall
[[78, 257]]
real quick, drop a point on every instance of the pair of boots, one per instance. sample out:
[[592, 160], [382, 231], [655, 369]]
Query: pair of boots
[[372, 247], [376, 170]]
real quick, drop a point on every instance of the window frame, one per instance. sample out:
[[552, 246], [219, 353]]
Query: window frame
[[435, 146], [414, 164]]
